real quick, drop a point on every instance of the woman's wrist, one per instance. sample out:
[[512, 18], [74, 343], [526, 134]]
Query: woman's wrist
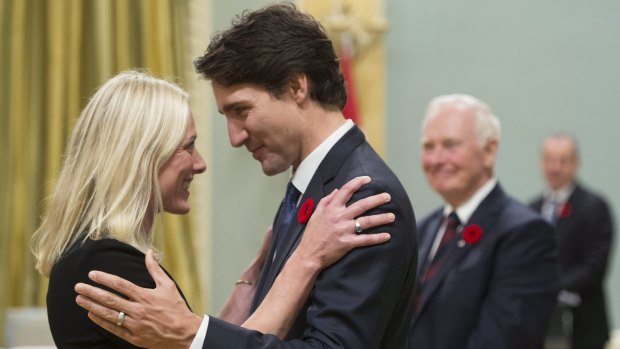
[[305, 263]]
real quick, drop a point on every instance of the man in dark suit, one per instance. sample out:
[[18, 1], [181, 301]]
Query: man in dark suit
[[488, 269], [276, 79], [584, 232]]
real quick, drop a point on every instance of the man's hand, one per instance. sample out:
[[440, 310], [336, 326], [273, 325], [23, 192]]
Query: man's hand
[[154, 318]]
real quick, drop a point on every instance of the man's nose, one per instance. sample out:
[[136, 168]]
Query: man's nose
[[237, 133]]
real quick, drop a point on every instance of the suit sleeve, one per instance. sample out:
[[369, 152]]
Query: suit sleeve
[[353, 300], [522, 290], [595, 245]]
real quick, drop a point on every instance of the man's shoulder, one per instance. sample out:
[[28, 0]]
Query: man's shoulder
[[536, 202], [588, 197], [519, 211], [429, 218], [364, 160]]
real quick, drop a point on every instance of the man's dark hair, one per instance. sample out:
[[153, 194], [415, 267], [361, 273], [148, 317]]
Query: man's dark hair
[[268, 46]]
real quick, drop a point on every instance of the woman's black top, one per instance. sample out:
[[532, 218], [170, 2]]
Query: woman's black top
[[69, 323]]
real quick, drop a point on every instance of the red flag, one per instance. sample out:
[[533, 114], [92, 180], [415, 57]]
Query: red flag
[[346, 64]]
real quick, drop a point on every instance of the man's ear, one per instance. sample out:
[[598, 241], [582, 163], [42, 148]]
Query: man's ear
[[298, 87], [490, 153]]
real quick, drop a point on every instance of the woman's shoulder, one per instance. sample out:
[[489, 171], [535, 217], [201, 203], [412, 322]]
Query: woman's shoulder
[[66, 318], [107, 255], [105, 245]]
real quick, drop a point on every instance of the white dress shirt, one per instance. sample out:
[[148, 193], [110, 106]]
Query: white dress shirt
[[554, 200], [464, 212]]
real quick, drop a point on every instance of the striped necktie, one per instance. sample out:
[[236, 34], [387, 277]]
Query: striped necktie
[[451, 232]]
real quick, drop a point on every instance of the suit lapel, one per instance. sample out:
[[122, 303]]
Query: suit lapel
[[485, 216], [428, 233], [565, 216], [316, 190]]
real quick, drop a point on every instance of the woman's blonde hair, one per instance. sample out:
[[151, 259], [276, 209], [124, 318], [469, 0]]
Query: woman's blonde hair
[[108, 183]]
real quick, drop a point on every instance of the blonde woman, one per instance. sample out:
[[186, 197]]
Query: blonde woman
[[132, 156]]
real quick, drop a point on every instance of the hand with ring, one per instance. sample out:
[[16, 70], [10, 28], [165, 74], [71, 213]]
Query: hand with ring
[[331, 232], [334, 229], [151, 318], [120, 319], [358, 226]]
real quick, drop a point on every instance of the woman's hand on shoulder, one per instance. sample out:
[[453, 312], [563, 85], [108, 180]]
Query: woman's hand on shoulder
[[332, 230]]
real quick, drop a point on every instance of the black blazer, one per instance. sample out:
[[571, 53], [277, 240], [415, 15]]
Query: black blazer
[[584, 232], [69, 323], [498, 292], [366, 299]]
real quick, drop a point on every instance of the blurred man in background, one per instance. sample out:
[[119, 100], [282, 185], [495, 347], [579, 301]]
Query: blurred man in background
[[584, 233]]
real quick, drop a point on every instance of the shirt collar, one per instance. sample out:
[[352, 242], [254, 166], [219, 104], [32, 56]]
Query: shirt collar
[[467, 209], [561, 195], [305, 171]]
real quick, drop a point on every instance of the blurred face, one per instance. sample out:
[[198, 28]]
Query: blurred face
[[270, 128], [559, 162], [177, 173], [454, 162]]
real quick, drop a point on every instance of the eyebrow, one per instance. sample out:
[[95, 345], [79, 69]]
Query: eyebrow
[[229, 106]]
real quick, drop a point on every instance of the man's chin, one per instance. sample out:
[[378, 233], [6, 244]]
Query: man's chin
[[272, 171]]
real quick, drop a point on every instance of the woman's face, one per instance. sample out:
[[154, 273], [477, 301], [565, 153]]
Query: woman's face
[[177, 173]]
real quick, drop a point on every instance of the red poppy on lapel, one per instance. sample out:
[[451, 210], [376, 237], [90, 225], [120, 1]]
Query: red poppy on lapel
[[566, 210], [306, 211], [472, 234]]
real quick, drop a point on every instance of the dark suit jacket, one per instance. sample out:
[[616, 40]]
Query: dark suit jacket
[[366, 299], [496, 293], [584, 236], [69, 323]]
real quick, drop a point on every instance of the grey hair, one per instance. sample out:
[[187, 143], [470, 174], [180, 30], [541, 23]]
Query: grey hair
[[487, 124]]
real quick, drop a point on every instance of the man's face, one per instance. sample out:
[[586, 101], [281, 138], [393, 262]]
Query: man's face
[[454, 162], [270, 128], [559, 162]]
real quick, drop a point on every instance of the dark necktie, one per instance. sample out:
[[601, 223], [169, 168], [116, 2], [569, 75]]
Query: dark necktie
[[285, 216], [451, 232]]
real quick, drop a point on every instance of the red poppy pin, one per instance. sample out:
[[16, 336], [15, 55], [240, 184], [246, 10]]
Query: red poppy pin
[[472, 234], [566, 210], [306, 211]]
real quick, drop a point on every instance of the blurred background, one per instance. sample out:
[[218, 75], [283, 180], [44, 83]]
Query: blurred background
[[542, 67]]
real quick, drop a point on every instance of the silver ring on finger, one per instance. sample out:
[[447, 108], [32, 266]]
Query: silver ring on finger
[[120, 319], [358, 226]]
